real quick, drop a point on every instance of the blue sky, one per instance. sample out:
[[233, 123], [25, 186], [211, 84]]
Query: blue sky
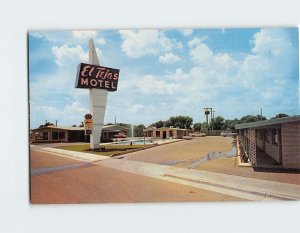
[[165, 73]]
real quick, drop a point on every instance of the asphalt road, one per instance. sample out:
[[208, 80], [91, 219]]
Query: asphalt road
[[57, 179]]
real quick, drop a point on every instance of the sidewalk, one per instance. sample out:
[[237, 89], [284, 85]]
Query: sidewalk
[[238, 186], [88, 157]]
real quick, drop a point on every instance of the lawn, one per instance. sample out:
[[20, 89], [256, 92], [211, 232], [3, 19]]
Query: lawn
[[106, 150]]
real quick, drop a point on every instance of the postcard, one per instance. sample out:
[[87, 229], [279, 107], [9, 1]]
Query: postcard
[[164, 115]]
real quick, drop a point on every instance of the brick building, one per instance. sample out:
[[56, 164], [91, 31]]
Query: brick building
[[276, 141], [165, 132], [53, 133]]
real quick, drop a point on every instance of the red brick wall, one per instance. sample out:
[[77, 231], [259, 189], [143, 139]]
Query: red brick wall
[[290, 135]]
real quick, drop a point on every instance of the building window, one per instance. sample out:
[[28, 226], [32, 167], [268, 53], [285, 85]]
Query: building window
[[150, 134], [267, 136], [157, 134], [274, 137], [61, 135], [45, 135], [54, 135], [58, 135], [171, 134]]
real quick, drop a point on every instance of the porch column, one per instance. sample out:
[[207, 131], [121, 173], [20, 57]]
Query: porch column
[[252, 146]]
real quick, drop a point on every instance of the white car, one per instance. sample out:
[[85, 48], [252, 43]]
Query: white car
[[227, 134]]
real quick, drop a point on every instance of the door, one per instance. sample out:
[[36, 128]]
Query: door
[[164, 134]]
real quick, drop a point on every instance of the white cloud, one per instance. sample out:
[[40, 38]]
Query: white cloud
[[179, 45], [233, 85], [152, 85], [84, 34], [50, 111], [37, 35], [186, 32], [202, 54], [134, 108], [260, 79], [196, 41], [66, 54], [69, 114], [69, 37], [269, 69], [100, 41], [75, 108], [179, 75], [271, 42], [169, 58], [138, 43]]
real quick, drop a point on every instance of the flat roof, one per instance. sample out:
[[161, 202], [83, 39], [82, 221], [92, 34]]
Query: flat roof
[[275, 121], [77, 128], [162, 128]]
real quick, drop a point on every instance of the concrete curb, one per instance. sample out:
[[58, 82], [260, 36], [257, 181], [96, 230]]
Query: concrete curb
[[144, 148], [75, 154], [238, 186], [243, 187]]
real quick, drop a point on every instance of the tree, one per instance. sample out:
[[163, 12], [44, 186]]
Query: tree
[[218, 123], [124, 125], [197, 127], [183, 122], [230, 124], [251, 118], [138, 130], [158, 124], [167, 123], [204, 126], [46, 124], [280, 115]]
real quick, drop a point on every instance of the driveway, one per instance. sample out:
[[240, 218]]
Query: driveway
[[182, 151]]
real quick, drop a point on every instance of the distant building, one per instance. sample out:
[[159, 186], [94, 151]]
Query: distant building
[[165, 132], [53, 133], [277, 139]]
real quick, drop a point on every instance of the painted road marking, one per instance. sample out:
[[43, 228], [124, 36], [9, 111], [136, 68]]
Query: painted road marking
[[46, 170]]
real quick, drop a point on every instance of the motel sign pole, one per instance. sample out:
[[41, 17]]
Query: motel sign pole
[[98, 99], [99, 80]]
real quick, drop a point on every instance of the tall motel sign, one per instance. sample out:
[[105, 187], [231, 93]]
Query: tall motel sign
[[99, 80]]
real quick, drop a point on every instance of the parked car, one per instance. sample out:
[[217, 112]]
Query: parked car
[[227, 134], [197, 134]]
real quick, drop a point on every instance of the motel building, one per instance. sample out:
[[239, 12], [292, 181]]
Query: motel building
[[53, 133], [165, 133], [271, 143]]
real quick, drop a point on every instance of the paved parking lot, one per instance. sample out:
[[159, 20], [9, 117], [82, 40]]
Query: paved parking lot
[[180, 152]]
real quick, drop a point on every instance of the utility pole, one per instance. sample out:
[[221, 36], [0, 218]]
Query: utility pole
[[260, 114], [213, 119], [208, 111]]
